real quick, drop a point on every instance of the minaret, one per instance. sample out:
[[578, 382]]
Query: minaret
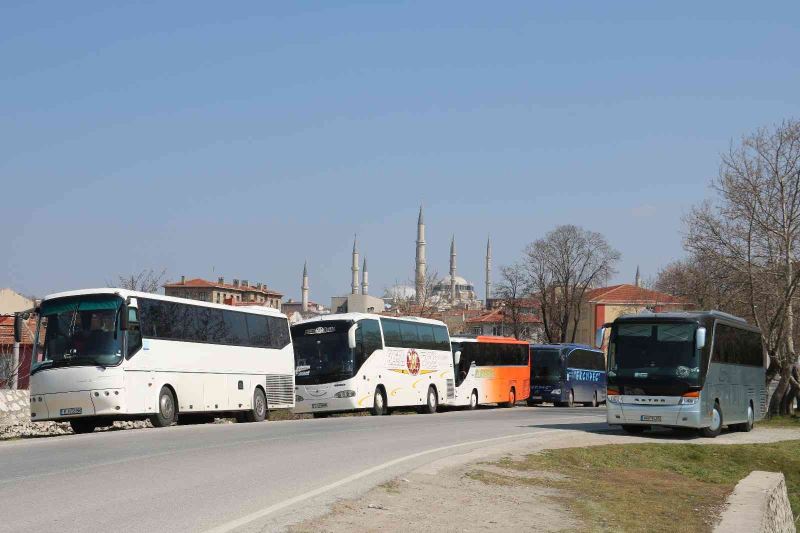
[[364, 278], [304, 289], [419, 273], [354, 269], [488, 270], [638, 279], [453, 270]]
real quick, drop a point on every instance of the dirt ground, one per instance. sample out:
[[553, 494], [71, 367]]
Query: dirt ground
[[448, 495]]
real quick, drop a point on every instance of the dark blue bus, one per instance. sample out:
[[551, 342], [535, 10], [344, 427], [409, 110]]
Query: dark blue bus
[[567, 374]]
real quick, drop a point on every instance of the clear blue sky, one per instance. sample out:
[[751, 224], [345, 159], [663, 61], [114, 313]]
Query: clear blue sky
[[248, 137]]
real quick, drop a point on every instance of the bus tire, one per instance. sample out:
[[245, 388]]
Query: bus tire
[[748, 425], [512, 398], [83, 425], [166, 411], [632, 429], [432, 402], [593, 403], [473, 400], [379, 402], [571, 399], [259, 411], [716, 423]]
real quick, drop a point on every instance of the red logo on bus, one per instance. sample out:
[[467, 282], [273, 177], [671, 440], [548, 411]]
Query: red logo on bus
[[412, 362]]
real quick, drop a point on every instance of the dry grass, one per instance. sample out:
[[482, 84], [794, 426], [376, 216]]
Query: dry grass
[[649, 487]]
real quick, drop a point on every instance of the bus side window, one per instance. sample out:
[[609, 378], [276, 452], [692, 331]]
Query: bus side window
[[368, 339]]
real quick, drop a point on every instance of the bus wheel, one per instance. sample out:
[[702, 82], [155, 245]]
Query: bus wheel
[[167, 414], [747, 426], [593, 403], [82, 425], [633, 430], [571, 399], [378, 403], [433, 402], [473, 400], [716, 423], [259, 411], [512, 398]]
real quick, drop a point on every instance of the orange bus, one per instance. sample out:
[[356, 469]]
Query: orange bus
[[490, 370]]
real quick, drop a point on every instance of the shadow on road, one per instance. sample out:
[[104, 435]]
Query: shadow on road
[[601, 428]]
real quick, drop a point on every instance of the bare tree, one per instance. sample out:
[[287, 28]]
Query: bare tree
[[511, 288], [427, 305], [147, 280], [562, 266], [700, 280], [9, 368], [752, 228]]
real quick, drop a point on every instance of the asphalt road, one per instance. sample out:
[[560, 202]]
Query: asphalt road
[[242, 477]]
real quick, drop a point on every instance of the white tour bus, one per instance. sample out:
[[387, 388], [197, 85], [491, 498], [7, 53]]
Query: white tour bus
[[113, 354], [353, 361]]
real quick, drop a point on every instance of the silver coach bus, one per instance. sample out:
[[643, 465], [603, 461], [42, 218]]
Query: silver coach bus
[[697, 370]]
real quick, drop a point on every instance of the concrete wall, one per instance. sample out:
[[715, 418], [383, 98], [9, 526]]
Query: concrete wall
[[14, 407], [758, 504]]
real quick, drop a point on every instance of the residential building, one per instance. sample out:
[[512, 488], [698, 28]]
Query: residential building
[[498, 321], [604, 304], [7, 347], [13, 302], [236, 293]]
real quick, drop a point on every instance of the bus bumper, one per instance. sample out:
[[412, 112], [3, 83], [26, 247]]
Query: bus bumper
[[689, 416], [322, 399], [67, 405]]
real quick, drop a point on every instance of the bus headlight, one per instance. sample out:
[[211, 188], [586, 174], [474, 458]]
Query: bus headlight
[[613, 398], [555, 392], [298, 398], [689, 400], [345, 394]]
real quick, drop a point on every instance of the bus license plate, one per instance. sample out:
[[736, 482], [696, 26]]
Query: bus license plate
[[646, 418], [71, 411], [318, 405]]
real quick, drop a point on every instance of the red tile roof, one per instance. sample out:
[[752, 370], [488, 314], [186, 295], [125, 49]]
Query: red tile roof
[[202, 283], [498, 316], [631, 294]]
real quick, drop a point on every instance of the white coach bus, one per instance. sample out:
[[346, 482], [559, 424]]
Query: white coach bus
[[112, 354], [354, 361]]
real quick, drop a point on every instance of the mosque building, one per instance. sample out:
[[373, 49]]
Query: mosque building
[[451, 292]]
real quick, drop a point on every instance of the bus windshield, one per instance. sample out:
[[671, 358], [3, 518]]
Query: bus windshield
[[545, 367], [653, 352], [80, 331], [321, 352]]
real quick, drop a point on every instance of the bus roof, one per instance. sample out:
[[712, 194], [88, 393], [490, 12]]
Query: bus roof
[[557, 346], [488, 339], [361, 316], [688, 316], [125, 293]]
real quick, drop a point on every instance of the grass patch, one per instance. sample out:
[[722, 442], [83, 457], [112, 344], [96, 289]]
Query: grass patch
[[653, 487], [784, 421], [391, 486]]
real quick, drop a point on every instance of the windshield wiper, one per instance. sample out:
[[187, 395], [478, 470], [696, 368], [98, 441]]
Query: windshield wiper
[[41, 366]]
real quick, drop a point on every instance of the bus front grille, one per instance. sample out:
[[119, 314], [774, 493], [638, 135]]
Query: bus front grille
[[451, 389], [280, 390]]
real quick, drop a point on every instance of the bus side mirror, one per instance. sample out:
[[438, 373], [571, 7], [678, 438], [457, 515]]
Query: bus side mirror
[[351, 336], [457, 357], [599, 336], [700, 338], [17, 327]]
